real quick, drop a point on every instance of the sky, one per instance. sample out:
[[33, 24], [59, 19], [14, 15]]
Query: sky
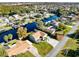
[[39, 0]]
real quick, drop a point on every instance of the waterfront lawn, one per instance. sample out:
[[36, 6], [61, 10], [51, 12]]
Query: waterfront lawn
[[70, 45], [26, 54], [43, 48], [11, 42]]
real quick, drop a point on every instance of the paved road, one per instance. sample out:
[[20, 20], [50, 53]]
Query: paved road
[[60, 45]]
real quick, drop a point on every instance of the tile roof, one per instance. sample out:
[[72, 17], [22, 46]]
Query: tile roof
[[38, 34], [20, 47]]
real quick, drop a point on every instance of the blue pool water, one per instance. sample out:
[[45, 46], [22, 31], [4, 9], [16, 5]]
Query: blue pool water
[[30, 27], [50, 18]]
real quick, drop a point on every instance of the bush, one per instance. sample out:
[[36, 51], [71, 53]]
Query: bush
[[10, 36]]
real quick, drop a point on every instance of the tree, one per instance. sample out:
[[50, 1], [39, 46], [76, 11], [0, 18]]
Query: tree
[[76, 34], [37, 16], [22, 32], [62, 26], [10, 36], [40, 24], [62, 11], [6, 38]]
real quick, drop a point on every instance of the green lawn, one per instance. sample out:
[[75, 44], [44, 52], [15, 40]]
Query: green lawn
[[26, 54], [71, 44], [68, 28], [43, 48], [10, 43]]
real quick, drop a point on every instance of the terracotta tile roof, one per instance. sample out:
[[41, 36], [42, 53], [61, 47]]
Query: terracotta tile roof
[[20, 47], [38, 34]]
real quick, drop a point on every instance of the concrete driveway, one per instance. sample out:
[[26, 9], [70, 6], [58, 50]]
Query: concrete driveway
[[52, 41], [34, 51]]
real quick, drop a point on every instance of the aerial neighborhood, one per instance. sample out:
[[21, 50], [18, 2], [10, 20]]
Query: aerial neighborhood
[[39, 30]]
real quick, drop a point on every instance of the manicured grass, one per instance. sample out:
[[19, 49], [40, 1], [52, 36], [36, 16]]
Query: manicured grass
[[65, 31], [43, 48], [26, 54], [11, 42], [71, 44]]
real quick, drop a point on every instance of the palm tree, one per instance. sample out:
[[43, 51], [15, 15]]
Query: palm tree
[[22, 32], [6, 38], [10, 36]]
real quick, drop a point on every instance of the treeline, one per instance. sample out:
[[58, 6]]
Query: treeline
[[13, 9]]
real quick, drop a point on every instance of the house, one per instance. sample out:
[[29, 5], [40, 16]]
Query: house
[[18, 17], [46, 15], [11, 18], [55, 23], [37, 36], [51, 28], [2, 22], [6, 20]]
